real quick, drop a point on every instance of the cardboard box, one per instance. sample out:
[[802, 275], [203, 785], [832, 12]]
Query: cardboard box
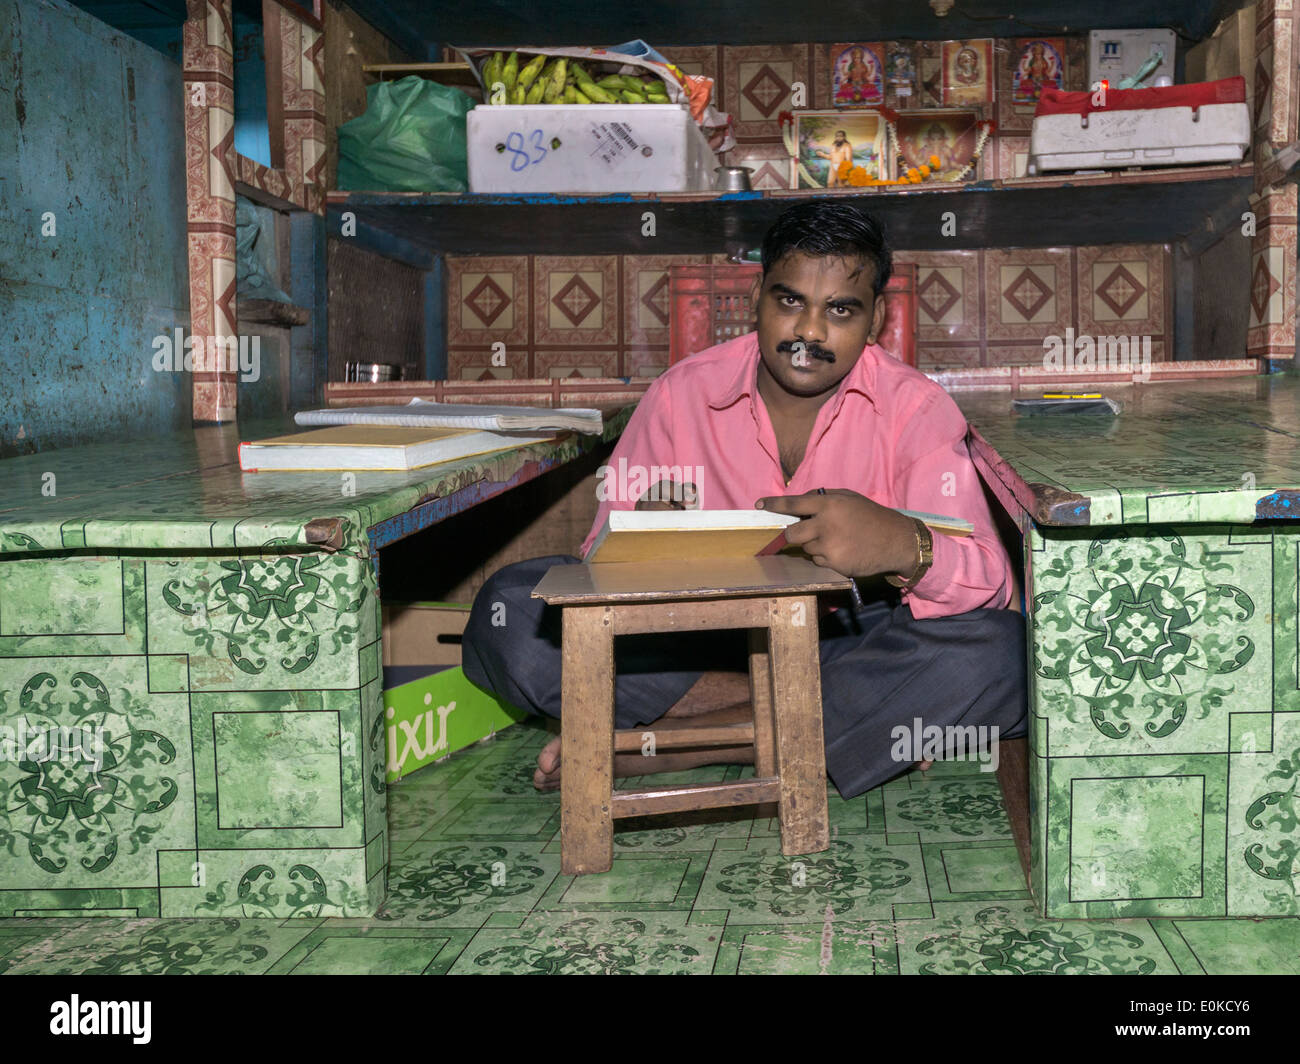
[[1229, 52], [432, 710], [587, 148]]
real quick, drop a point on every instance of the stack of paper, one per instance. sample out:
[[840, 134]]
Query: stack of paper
[[420, 413]]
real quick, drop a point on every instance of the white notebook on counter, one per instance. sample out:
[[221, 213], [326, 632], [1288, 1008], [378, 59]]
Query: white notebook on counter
[[386, 448]]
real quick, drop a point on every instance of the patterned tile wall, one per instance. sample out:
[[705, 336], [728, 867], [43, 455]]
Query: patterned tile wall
[[608, 316], [191, 737], [1165, 731]]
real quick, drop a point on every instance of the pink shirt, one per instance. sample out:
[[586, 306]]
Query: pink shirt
[[889, 433]]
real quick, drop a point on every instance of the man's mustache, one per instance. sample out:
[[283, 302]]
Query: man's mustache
[[792, 347]]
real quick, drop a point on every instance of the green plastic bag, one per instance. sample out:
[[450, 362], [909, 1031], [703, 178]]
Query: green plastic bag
[[411, 139]]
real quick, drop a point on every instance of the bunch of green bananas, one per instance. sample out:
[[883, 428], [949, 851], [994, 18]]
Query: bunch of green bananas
[[516, 80]]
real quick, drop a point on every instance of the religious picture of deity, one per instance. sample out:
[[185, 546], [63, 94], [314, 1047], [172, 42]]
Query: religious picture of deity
[[967, 72], [857, 75], [949, 136], [900, 69], [837, 149], [1041, 66]]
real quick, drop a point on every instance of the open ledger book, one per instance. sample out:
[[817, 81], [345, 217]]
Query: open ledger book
[[678, 535]]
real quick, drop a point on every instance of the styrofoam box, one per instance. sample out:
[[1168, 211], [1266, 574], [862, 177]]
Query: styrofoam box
[[586, 148], [1164, 136], [1114, 55]]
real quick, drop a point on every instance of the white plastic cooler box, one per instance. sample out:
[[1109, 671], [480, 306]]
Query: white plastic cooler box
[[1178, 125], [587, 148]]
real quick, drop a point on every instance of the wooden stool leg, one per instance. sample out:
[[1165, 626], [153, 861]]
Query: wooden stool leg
[[587, 742], [797, 709], [760, 697]]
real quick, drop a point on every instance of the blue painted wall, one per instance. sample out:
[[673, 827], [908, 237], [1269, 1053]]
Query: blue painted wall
[[90, 132]]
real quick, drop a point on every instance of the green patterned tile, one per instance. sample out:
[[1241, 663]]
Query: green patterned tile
[[269, 883], [1136, 836], [1008, 938], [1242, 947], [252, 749], [443, 775], [638, 881], [278, 769], [569, 943], [374, 950], [1263, 829], [1286, 630], [507, 819], [829, 948], [12, 943], [276, 621], [1145, 639], [158, 947], [414, 812], [81, 596], [83, 601], [505, 770], [860, 877], [952, 809], [186, 493], [459, 884], [105, 779], [1192, 451], [698, 831], [958, 871]]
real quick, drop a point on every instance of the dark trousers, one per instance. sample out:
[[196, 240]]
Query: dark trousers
[[880, 668]]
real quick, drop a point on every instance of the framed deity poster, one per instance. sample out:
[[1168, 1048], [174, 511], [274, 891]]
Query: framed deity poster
[[858, 75], [967, 72], [951, 136], [840, 149], [1040, 64]]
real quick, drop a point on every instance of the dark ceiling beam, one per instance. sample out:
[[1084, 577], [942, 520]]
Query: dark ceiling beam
[[679, 22]]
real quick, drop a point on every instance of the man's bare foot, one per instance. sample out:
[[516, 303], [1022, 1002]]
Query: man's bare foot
[[711, 693], [547, 776]]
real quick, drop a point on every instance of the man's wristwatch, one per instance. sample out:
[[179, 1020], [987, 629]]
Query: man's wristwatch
[[925, 557]]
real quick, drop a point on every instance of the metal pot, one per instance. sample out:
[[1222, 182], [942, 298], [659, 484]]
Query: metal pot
[[733, 178], [371, 372]]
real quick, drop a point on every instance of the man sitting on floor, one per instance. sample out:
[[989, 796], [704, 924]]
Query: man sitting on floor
[[806, 402]]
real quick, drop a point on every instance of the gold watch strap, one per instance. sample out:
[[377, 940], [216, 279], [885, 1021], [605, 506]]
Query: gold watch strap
[[925, 557]]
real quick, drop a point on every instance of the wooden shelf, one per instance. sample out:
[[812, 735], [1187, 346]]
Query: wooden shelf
[[1151, 206]]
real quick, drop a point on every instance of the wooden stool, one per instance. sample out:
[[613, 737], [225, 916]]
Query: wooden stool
[[775, 598]]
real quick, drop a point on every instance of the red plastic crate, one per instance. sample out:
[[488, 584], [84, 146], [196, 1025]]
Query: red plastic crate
[[712, 303]]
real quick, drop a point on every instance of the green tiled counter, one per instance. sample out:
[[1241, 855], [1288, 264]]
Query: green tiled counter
[[1161, 556], [219, 631]]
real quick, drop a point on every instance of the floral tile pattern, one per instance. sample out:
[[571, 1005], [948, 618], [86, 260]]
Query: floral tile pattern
[[226, 754], [1165, 753], [190, 685], [901, 890]]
